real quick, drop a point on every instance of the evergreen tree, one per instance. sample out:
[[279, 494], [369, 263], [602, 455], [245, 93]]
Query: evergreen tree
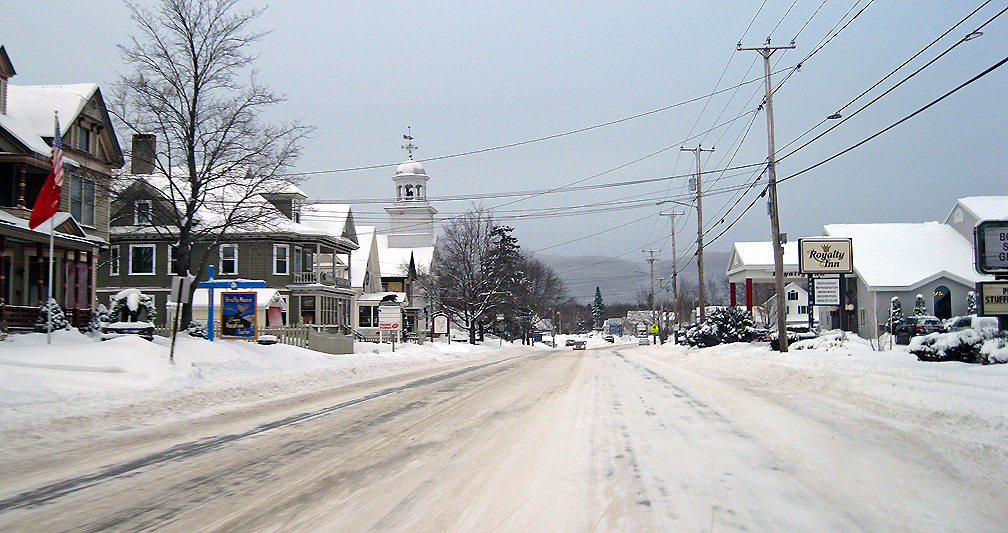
[[971, 304], [59, 320], [598, 309], [896, 312], [920, 308]]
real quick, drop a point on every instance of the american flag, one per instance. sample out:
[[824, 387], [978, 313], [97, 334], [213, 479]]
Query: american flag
[[48, 200]]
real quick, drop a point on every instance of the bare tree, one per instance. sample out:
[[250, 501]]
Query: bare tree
[[216, 156]]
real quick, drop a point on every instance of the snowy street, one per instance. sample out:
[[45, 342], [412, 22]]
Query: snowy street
[[614, 438]]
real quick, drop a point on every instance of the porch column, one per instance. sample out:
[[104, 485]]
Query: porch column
[[731, 287], [90, 277], [76, 278], [22, 182], [66, 279], [748, 293], [41, 276]]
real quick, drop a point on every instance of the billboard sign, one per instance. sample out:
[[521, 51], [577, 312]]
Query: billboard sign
[[826, 291], [992, 298], [991, 238], [238, 315], [825, 255]]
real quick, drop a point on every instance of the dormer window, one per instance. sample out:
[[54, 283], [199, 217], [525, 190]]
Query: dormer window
[[142, 213]]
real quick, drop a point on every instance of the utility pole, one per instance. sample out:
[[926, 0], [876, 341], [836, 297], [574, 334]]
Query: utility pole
[[766, 51], [699, 218], [651, 260], [675, 279]]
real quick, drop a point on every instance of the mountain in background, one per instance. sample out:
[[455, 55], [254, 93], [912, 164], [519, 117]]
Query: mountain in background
[[621, 279]]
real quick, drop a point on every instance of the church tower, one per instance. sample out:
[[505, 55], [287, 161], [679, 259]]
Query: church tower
[[411, 217]]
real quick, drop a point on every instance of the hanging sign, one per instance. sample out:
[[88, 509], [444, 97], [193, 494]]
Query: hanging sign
[[238, 315], [826, 291], [825, 255]]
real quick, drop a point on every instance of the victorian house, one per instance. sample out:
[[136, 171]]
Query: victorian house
[[90, 154], [308, 266]]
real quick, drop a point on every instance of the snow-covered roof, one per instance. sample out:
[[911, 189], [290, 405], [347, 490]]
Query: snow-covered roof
[[333, 218], [906, 256], [359, 258], [762, 254], [33, 105], [986, 207], [373, 297], [410, 167], [25, 134]]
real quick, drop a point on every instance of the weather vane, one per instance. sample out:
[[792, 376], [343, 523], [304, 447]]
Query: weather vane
[[409, 146]]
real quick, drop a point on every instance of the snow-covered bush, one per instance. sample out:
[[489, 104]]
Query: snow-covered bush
[[793, 338], [722, 326], [994, 351], [965, 346], [59, 320], [920, 307], [197, 329], [131, 305]]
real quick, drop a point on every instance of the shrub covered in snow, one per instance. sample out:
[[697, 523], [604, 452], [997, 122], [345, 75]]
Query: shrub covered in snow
[[197, 329], [971, 303], [59, 320], [131, 305], [895, 312], [968, 346], [722, 326], [920, 307], [793, 338]]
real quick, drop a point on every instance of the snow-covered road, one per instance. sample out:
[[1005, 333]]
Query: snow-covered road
[[615, 438]]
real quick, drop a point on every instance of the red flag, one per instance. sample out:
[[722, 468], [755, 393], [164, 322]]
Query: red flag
[[47, 203]]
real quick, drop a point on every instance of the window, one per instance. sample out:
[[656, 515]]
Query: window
[[114, 261], [792, 296], [368, 316], [802, 309], [83, 139], [173, 263], [82, 199], [141, 259], [280, 259], [229, 259], [297, 260], [142, 212]]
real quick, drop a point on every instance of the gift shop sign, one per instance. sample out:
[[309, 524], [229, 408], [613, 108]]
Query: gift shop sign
[[825, 256]]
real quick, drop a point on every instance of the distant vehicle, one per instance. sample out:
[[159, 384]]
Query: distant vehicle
[[609, 338], [913, 326], [570, 342], [579, 345], [972, 322], [643, 340]]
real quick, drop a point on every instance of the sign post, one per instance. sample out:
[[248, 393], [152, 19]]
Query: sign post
[[180, 295], [390, 320], [990, 241], [827, 255]]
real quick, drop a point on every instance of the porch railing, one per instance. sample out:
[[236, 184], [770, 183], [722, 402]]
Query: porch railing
[[324, 278]]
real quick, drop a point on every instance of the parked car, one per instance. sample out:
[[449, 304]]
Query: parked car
[[579, 345], [913, 326], [972, 322], [643, 340], [610, 338], [570, 342]]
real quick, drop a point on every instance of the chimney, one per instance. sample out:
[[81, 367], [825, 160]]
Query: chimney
[[143, 156]]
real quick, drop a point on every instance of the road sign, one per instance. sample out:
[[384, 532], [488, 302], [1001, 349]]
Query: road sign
[[992, 298], [654, 328]]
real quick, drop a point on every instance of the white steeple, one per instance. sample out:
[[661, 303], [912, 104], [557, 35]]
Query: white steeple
[[411, 217]]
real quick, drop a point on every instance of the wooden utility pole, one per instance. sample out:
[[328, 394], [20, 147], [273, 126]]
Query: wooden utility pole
[[675, 279], [699, 218], [766, 51], [651, 260]]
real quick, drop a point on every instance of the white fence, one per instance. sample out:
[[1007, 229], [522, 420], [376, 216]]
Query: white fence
[[292, 335]]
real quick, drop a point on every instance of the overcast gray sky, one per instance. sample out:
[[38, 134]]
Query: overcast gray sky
[[467, 76]]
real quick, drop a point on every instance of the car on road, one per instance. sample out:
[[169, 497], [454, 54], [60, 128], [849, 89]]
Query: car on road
[[972, 322], [610, 338], [570, 342], [913, 326], [579, 345], [643, 340]]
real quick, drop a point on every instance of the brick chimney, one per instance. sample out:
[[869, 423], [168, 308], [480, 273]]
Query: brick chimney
[[143, 154]]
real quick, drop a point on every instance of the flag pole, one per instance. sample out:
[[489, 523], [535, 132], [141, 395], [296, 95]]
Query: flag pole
[[49, 293]]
